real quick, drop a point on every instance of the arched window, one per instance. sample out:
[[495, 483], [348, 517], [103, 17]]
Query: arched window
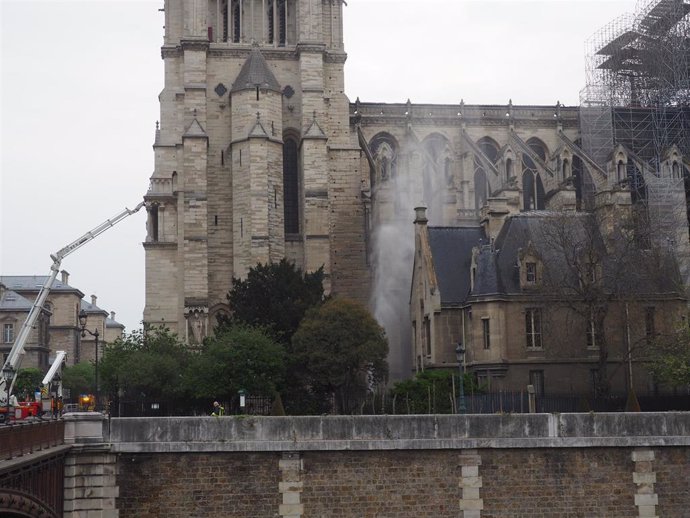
[[481, 186], [384, 148], [675, 170], [532, 186], [621, 172], [282, 23], [509, 169], [538, 147], [291, 185], [566, 169], [533, 191], [236, 21], [489, 147]]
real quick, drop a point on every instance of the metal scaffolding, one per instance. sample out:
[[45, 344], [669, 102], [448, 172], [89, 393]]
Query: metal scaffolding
[[638, 83]]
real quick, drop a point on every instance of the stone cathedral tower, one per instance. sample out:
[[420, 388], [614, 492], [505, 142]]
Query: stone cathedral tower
[[255, 159]]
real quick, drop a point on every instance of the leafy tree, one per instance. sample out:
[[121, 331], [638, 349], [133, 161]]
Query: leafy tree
[[28, 380], [79, 378], [342, 351], [274, 296], [432, 391], [239, 357], [670, 358], [148, 362]]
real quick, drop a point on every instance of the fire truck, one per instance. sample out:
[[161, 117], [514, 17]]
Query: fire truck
[[10, 408]]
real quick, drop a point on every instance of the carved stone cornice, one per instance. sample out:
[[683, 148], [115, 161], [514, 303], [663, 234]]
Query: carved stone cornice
[[194, 44], [171, 51], [335, 57], [223, 50]]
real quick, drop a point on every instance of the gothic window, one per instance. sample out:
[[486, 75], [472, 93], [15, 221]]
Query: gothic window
[[509, 169], [225, 20], [532, 186], [489, 147], [384, 150], [271, 21], [566, 169], [291, 185], [481, 185], [236, 21], [282, 23], [675, 170], [620, 171], [533, 328]]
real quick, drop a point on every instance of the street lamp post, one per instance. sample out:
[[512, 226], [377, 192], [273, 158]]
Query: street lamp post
[[460, 356], [94, 333], [8, 375]]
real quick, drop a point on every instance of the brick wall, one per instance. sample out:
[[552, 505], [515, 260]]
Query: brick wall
[[198, 485], [398, 484]]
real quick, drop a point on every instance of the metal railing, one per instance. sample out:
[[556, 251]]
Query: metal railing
[[21, 439]]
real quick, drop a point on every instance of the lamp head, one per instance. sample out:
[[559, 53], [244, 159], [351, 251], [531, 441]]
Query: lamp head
[[459, 351]]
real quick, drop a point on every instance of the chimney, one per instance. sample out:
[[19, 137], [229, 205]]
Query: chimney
[[420, 216], [2, 289], [112, 315], [93, 300], [65, 277]]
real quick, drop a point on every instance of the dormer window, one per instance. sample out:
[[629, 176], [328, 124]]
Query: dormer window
[[530, 267]]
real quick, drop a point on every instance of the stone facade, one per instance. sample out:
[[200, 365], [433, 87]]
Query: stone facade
[[243, 83], [58, 326], [260, 155]]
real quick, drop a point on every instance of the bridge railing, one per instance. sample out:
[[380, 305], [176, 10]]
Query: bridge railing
[[21, 439]]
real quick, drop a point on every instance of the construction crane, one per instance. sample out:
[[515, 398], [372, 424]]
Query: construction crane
[[14, 360]]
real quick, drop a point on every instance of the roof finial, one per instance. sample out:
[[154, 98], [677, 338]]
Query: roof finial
[[258, 116], [314, 114], [157, 126], [194, 112]]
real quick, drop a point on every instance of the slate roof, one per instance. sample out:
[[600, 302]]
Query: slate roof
[[255, 72], [109, 322], [451, 249], [498, 271], [34, 283], [13, 301], [92, 308]]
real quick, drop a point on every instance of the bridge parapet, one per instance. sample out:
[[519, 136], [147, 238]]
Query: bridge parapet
[[327, 433]]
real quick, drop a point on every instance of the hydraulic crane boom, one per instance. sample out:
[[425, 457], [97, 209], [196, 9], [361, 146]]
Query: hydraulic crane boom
[[17, 351]]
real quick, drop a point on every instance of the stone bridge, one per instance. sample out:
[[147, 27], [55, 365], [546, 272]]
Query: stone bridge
[[585, 465]]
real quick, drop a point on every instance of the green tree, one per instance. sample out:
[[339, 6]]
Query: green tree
[[670, 358], [274, 296], [431, 391], [79, 379], [28, 380], [145, 363], [341, 351], [238, 357]]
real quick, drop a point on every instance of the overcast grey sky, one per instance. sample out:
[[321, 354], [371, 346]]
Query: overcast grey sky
[[80, 80]]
